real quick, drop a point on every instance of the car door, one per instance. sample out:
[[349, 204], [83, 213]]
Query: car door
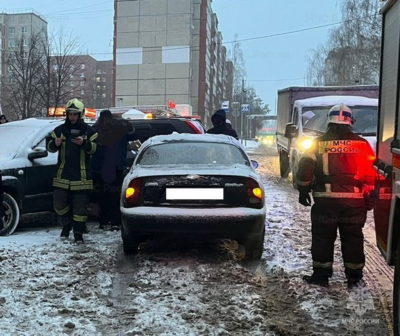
[[39, 177]]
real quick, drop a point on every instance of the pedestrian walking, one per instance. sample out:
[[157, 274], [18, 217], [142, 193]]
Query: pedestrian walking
[[109, 166], [220, 125], [75, 142], [339, 172]]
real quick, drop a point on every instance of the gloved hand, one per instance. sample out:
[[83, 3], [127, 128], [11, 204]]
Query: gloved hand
[[305, 198]]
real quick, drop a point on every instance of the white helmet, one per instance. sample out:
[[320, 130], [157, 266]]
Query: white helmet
[[228, 121], [340, 114]]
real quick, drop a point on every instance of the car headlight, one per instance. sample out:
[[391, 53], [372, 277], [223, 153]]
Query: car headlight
[[306, 144]]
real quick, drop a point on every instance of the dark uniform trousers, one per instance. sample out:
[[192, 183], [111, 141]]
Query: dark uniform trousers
[[73, 204], [327, 217]]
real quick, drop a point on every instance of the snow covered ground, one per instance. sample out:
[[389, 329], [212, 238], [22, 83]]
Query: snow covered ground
[[175, 287]]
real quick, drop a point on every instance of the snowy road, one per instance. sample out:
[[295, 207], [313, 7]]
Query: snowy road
[[49, 287]]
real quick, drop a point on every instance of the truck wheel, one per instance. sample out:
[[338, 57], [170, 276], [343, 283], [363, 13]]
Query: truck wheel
[[284, 163], [254, 247], [396, 298], [11, 215]]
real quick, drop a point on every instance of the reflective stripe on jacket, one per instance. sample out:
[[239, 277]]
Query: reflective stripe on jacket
[[73, 166], [339, 166]]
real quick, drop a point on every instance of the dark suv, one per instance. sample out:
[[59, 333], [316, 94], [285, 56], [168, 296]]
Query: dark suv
[[147, 128]]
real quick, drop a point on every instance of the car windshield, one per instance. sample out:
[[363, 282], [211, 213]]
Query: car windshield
[[193, 153], [366, 119], [11, 140]]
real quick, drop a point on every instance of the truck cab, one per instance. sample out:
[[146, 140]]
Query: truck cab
[[310, 119]]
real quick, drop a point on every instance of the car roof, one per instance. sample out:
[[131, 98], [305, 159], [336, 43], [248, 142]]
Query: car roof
[[34, 122], [187, 137], [334, 100]]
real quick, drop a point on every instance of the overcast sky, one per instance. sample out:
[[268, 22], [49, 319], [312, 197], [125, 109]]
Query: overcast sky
[[272, 63]]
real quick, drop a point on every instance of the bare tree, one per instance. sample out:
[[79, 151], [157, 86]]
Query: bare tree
[[352, 54], [239, 67], [59, 70], [24, 75]]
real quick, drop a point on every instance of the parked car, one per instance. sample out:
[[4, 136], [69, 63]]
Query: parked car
[[27, 169], [202, 184]]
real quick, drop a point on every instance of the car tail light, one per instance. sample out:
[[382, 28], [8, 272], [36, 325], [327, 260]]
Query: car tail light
[[133, 194], [194, 127], [255, 193]]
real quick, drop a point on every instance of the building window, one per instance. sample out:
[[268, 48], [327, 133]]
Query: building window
[[98, 79], [11, 30], [83, 66], [104, 95], [24, 29], [98, 87], [24, 43], [82, 92], [103, 80], [82, 75], [82, 83], [11, 43]]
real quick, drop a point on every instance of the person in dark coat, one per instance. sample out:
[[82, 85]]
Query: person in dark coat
[[218, 120], [109, 165]]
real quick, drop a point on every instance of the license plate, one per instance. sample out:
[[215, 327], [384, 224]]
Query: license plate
[[195, 194]]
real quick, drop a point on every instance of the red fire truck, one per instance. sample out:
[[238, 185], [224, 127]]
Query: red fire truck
[[387, 207]]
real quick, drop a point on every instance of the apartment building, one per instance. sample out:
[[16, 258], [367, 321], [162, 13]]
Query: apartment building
[[14, 29], [169, 50], [88, 79]]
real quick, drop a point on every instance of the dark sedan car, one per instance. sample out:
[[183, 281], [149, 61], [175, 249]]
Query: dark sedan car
[[201, 184]]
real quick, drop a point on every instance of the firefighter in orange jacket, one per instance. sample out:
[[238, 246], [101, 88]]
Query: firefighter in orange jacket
[[339, 172]]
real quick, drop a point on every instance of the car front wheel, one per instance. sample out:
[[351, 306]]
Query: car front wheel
[[11, 215]]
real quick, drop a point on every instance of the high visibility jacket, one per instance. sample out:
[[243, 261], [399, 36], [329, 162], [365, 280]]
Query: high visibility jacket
[[339, 166], [73, 166]]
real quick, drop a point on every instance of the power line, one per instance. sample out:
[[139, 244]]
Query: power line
[[242, 40], [64, 11]]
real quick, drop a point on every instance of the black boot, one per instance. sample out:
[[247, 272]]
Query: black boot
[[78, 238], [317, 280], [354, 283], [65, 232]]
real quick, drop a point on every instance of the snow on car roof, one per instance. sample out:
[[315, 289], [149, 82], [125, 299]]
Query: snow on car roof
[[158, 139], [333, 100], [33, 122]]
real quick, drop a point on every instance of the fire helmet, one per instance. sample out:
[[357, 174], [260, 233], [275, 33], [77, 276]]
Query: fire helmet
[[340, 114], [74, 105]]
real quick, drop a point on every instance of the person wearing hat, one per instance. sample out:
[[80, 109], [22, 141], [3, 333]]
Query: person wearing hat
[[218, 120], [338, 170], [3, 119], [75, 142]]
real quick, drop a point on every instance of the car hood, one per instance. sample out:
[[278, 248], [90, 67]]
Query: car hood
[[238, 170], [6, 164]]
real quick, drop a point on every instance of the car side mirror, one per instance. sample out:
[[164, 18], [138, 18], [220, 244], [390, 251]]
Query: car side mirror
[[254, 164], [38, 152], [291, 131]]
